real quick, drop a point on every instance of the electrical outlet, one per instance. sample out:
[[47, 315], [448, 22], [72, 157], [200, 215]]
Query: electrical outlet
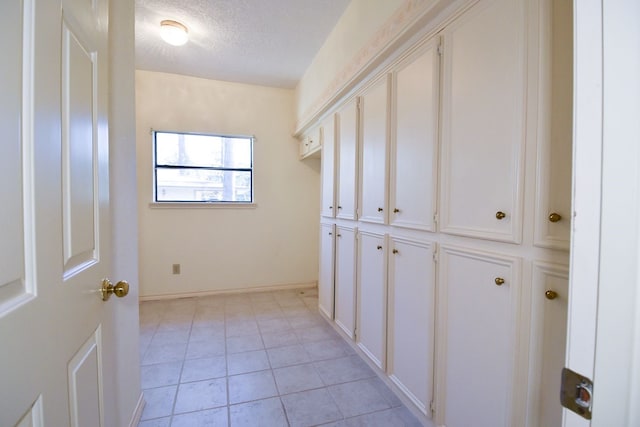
[[176, 268]]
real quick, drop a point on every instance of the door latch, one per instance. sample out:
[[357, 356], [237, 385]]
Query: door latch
[[576, 393]]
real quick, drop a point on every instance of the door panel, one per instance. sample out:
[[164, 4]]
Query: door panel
[[347, 160], [326, 277], [374, 127], [328, 153], [414, 148], [345, 284], [480, 296], [412, 319], [57, 179], [483, 127], [371, 293], [78, 154]]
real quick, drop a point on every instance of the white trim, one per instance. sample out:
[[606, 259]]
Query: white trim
[[137, 413], [285, 287], [202, 205]]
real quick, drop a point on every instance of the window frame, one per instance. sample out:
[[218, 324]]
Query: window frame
[[200, 203]]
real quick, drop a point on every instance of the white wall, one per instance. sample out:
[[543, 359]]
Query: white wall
[[222, 249]]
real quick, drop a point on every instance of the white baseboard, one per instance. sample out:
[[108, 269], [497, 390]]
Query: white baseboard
[[135, 419], [228, 291]]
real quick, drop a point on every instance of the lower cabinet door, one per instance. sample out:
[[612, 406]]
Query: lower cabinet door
[[325, 273], [371, 328], [550, 297], [345, 279], [412, 319], [480, 294]]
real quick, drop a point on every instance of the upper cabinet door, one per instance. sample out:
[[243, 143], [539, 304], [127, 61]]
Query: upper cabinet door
[[347, 137], [414, 140], [483, 123], [374, 105], [553, 195], [327, 202]]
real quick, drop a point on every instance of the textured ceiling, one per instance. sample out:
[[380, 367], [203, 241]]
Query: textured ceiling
[[263, 42]]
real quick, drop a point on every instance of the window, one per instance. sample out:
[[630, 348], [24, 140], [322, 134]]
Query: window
[[203, 168]]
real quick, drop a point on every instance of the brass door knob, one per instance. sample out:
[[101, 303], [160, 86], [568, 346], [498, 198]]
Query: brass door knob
[[380, 209], [499, 281], [395, 251], [120, 289], [396, 210], [379, 247], [554, 217], [500, 215], [551, 294]]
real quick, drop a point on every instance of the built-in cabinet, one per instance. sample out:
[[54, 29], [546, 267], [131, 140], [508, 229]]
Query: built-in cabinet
[[446, 216], [345, 280]]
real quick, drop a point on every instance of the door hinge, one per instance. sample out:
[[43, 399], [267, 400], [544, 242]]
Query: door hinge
[[440, 48], [435, 255], [432, 408], [435, 218]]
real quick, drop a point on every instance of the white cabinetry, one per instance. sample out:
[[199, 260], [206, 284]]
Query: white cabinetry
[[414, 161], [347, 142], [412, 319], [327, 192], [550, 297], [311, 143], [553, 196], [345, 279], [374, 125], [483, 122], [480, 301], [372, 297], [325, 273]]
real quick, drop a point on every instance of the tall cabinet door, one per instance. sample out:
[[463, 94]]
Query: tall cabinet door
[[374, 125], [327, 195], [480, 294], [553, 196], [325, 273], [550, 298], [412, 319], [345, 280], [347, 137], [371, 310], [414, 140], [483, 126]]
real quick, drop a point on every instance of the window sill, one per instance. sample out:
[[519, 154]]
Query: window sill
[[202, 205]]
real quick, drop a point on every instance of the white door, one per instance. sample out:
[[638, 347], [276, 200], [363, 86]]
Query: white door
[[347, 138], [374, 126], [413, 168], [325, 274], [480, 305], [371, 327], [327, 202], [345, 279], [411, 322], [483, 126], [55, 249]]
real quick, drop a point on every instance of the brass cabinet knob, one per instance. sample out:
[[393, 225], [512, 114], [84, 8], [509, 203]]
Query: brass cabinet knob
[[330, 207], [339, 235], [554, 217], [339, 207], [499, 281], [551, 294], [500, 215], [120, 289], [380, 209], [330, 234], [395, 251], [396, 210], [379, 247]]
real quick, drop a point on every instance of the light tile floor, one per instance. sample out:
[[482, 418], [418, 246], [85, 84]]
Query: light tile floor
[[256, 359]]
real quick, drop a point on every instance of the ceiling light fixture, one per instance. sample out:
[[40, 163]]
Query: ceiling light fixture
[[173, 32]]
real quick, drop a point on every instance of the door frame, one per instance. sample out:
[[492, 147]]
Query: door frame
[[603, 337]]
